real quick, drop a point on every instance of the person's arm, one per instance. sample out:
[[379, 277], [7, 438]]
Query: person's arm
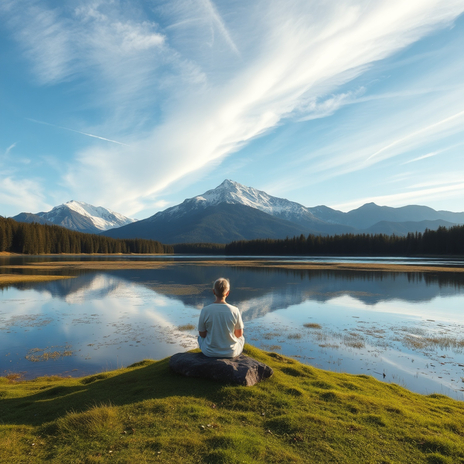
[[201, 325], [238, 331]]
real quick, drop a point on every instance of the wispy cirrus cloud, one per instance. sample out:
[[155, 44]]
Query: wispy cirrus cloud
[[454, 121], [218, 22], [76, 131], [420, 158], [320, 109], [107, 50], [19, 192], [7, 151]]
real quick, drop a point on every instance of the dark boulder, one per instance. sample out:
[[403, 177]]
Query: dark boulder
[[241, 370]]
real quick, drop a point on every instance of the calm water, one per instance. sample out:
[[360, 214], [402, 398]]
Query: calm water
[[406, 328]]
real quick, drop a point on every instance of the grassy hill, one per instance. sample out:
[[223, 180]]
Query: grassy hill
[[145, 413]]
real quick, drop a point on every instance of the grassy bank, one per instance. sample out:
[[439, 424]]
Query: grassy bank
[[147, 414]]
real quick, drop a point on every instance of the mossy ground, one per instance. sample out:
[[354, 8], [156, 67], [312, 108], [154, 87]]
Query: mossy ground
[[145, 413]]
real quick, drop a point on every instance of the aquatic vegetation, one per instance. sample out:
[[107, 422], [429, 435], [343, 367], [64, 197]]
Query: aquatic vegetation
[[186, 327], [311, 325], [45, 354]]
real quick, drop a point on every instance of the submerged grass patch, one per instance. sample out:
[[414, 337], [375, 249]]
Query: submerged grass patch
[[145, 413], [312, 325], [423, 342], [9, 279], [186, 327], [45, 354]]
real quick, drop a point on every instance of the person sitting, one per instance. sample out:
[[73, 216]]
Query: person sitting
[[220, 325]]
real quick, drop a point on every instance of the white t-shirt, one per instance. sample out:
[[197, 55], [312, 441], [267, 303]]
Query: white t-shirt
[[220, 320]]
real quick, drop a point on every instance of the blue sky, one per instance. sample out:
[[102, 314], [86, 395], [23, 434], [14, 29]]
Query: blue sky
[[137, 105]]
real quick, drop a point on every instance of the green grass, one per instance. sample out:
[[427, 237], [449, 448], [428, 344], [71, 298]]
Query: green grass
[[145, 413]]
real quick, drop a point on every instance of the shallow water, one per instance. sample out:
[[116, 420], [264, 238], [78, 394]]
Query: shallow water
[[405, 328]]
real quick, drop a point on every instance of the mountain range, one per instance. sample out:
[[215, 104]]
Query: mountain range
[[233, 211]]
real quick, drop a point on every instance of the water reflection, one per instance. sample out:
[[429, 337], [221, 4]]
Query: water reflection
[[404, 328], [259, 291]]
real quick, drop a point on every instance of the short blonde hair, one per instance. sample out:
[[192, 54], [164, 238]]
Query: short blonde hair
[[221, 287]]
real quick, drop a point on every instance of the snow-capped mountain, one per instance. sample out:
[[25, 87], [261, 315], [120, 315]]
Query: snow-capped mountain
[[79, 216], [102, 218], [234, 193], [229, 212], [231, 192]]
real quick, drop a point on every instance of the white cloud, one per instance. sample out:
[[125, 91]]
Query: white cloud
[[7, 151], [420, 158], [19, 192], [432, 154], [78, 132], [161, 204], [320, 109], [455, 121], [115, 55], [413, 125], [219, 23]]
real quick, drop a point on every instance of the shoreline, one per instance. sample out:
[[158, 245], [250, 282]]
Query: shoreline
[[251, 263], [118, 264]]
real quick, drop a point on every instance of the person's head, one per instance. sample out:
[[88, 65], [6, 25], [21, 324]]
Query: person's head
[[221, 287]]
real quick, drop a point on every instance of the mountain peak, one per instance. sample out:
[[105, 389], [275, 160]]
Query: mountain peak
[[369, 205], [231, 192], [227, 183]]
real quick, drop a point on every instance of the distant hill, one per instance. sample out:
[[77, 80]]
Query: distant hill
[[370, 214], [403, 228]]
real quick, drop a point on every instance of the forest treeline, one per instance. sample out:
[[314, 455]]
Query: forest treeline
[[33, 239], [19, 237], [199, 248], [432, 242]]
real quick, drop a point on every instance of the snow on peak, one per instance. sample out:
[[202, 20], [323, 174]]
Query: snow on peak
[[233, 192]]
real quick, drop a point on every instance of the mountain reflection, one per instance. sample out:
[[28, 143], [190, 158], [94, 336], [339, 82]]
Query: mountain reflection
[[259, 291]]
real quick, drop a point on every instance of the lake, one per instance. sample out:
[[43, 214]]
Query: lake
[[405, 328]]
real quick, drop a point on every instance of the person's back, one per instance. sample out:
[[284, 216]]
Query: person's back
[[220, 325]]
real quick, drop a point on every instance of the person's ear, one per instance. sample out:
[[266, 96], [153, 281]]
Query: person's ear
[[227, 294]]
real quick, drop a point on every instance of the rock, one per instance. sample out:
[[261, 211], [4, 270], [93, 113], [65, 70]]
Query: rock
[[241, 370]]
